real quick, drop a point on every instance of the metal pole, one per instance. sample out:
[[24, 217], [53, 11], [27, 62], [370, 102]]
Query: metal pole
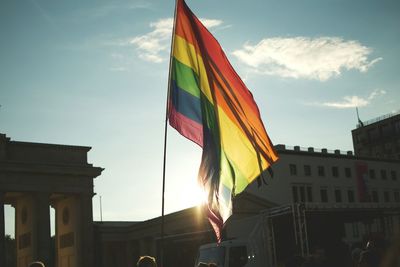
[[294, 223], [273, 241], [300, 231], [165, 140], [306, 232], [101, 211], [2, 232]]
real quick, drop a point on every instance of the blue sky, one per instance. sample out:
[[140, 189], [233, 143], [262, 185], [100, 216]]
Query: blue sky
[[94, 73]]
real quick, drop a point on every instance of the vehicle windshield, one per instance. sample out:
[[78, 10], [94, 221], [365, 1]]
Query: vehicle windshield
[[212, 255]]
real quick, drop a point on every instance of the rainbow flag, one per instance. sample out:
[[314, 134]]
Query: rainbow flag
[[210, 105]]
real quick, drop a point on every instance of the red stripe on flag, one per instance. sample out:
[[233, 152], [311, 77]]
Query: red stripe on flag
[[216, 223]]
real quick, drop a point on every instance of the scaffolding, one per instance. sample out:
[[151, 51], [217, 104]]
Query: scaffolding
[[304, 216]]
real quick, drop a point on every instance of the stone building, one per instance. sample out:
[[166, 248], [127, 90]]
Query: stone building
[[357, 193], [337, 179], [35, 176], [379, 137], [121, 243]]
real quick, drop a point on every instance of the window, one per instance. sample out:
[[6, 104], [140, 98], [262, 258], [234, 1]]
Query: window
[[388, 148], [372, 173], [386, 196], [309, 194], [338, 195], [390, 224], [335, 171], [213, 254], [307, 170], [347, 172], [383, 174], [295, 195], [350, 196], [321, 171], [356, 232], [394, 175], [293, 169], [396, 196], [397, 126], [375, 197], [324, 195], [302, 193]]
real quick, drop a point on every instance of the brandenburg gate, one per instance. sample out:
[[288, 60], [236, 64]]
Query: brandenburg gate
[[35, 176]]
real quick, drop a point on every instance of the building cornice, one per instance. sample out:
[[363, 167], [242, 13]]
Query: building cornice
[[313, 152]]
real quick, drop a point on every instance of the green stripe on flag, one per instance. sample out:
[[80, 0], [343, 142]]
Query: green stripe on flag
[[185, 78]]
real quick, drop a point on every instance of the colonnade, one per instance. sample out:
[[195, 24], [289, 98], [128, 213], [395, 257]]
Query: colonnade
[[35, 177], [73, 223]]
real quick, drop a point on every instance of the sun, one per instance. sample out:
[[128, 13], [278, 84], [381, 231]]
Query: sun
[[194, 195]]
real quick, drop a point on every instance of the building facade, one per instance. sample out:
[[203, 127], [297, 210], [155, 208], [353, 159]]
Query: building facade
[[352, 196], [338, 179], [356, 193], [121, 243], [334, 177], [379, 137], [35, 177]]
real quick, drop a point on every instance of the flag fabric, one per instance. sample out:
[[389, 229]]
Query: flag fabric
[[210, 105]]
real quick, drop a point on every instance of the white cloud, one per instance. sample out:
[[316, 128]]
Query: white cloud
[[302, 57], [154, 46], [376, 93], [210, 23], [348, 102], [353, 101]]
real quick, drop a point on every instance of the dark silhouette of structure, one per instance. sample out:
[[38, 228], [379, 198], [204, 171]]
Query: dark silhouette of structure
[[378, 138], [35, 176]]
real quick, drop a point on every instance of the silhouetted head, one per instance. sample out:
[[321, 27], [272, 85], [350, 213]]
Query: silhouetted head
[[202, 264], [212, 265], [37, 264], [146, 261]]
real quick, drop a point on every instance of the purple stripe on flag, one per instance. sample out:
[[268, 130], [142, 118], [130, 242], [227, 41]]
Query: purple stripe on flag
[[187, 127]]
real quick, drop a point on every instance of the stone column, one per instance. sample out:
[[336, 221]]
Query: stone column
[[3, 142], [55, 256], [2, 232], [42, 228], [87, 245], [129, 254]]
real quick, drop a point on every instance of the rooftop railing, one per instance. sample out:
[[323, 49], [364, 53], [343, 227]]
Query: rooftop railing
[[314, 150], [380, 118]]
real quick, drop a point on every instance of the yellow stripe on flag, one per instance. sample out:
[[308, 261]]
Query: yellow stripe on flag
[[186, 54]]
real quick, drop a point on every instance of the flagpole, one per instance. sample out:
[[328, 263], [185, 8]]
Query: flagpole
[[165, 138]]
